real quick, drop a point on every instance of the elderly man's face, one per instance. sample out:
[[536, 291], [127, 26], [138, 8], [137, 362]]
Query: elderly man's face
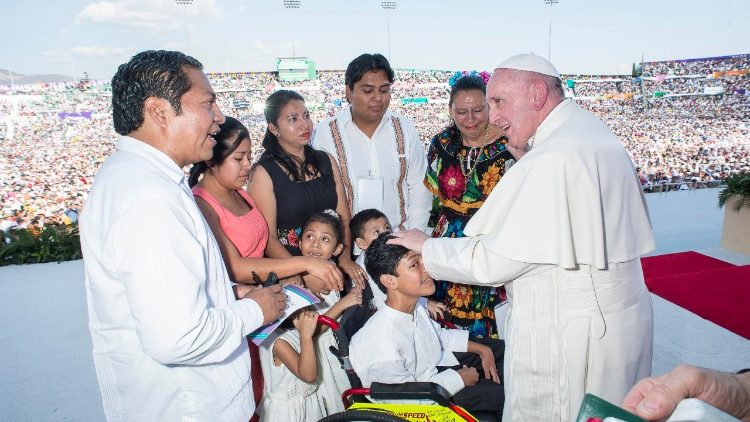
[[509, 98]]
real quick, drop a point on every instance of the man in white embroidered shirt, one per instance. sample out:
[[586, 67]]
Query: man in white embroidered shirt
[[169, 337], [400, 343], [381, 157]]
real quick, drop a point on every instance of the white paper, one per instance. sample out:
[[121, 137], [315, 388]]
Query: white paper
[[369, 194], [296, 298]]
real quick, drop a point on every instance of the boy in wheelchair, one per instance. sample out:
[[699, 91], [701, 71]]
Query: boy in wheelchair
[[400, 343]]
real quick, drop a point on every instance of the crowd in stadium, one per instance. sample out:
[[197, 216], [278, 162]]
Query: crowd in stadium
[[678, 137]]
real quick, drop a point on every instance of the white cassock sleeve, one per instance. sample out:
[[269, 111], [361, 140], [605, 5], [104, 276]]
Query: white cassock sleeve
[[467, 260]]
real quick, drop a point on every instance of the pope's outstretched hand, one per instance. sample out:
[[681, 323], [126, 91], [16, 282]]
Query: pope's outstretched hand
[[411, 239]]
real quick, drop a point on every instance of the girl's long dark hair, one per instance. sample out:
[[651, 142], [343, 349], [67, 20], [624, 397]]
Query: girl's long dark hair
[[329, 217], [222, 149], [298, 170]]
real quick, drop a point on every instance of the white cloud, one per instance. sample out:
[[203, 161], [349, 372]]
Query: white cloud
[[176, 46], [155, 15], [98, 51], [92, 51], [56, 56], [264, 51]]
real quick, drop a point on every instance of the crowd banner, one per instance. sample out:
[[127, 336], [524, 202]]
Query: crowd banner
[[662, 78], [713, 90], [75, 115], [737, 72], [417, 100]]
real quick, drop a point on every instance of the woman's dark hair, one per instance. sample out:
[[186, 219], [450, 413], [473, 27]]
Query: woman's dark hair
[[367, 63], [224, 147], [464, 83], [382, 258], [296, 168], [151, 73], [327, 217]]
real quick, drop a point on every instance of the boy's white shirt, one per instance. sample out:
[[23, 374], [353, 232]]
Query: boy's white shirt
[[412, 350]]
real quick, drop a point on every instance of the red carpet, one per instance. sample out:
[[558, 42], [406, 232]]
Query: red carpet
[[708, 287], [679, 263]]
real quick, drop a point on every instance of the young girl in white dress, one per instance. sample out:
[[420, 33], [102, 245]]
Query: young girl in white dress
[[322, 238], [290, 370]]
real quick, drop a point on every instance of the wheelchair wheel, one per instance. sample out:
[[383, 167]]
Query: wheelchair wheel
[[362, 415]]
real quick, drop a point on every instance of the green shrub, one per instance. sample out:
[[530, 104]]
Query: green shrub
[[54, 243], [738, 187]]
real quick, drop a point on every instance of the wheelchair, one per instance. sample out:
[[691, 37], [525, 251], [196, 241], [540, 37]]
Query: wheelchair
[[360, 408]]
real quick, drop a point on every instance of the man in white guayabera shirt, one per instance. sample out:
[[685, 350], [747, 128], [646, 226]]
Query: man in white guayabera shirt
[[381, 158], [564, 228], [169, 335]]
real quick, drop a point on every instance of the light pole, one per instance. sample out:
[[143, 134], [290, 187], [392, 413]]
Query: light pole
[[388, 6], [73, 66], [293, 4], [549, 39], [185, 4], [12, 83]]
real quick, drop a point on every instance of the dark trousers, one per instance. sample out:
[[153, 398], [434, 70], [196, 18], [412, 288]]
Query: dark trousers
[[486, 395]]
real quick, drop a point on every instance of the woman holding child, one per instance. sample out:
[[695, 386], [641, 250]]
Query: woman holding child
[[238, 224], [464, 163]]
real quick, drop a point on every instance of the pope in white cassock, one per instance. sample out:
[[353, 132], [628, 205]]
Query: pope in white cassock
[[563, 230]]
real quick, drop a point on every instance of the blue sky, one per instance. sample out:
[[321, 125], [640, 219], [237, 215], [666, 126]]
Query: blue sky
[[243, 35]]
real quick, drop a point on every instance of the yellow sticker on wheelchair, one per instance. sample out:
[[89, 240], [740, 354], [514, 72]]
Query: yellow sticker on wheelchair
[[413, 412]]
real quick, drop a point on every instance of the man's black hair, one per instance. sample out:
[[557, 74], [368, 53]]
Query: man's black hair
[[151, 73], [367, 63], [383, 258], [357, 223]]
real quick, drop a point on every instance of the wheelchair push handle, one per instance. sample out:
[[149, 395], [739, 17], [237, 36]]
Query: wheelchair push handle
[[333, 325], [339, 334]]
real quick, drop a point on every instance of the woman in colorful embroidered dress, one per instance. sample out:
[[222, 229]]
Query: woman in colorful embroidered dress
[[292, 181], [464, 163]]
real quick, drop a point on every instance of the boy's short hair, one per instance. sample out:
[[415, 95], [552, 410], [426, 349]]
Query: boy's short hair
[[357, 223], [382, 258]]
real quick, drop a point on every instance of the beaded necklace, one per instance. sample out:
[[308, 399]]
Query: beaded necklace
[[471, 159]]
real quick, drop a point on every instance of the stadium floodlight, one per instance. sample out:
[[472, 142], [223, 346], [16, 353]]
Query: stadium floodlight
[[549, 40], [388, 5], [292, 4], [185, 4]]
